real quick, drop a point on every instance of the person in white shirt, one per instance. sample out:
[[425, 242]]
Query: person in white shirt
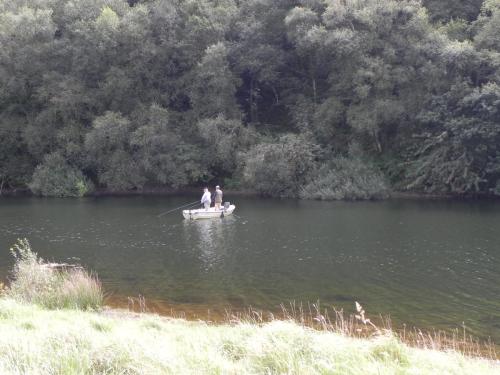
[[205, 199]]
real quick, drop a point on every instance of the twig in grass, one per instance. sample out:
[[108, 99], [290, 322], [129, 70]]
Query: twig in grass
[[361, 317], [141, 302]]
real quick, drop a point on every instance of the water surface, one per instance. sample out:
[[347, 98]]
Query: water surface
[[425, 263]]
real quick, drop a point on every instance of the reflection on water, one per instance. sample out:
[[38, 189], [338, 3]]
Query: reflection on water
[[429, 264], [210, 238]]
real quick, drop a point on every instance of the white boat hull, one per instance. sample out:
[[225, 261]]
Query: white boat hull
[[211, 213]]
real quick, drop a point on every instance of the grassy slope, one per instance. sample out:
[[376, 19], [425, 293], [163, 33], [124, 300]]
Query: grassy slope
[[38, 341]]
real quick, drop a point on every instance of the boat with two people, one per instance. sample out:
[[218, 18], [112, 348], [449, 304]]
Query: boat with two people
[[209, 213]]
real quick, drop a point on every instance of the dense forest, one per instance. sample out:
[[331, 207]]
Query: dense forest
[[326, 99]]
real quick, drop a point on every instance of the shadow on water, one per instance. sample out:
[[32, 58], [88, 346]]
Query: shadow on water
[[425, 263]]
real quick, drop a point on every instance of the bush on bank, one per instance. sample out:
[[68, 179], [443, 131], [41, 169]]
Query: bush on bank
[[346, 178], [38, 282], [56, 178], [278, 168]]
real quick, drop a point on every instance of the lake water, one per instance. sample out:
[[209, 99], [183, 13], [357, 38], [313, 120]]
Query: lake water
[[430, 264]]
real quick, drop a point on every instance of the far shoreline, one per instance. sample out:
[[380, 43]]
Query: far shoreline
[[193, 190]]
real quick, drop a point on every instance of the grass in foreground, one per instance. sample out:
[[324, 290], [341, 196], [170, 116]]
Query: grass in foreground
[[34, 340]]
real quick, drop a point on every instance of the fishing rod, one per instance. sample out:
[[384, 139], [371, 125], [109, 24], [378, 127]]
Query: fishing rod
[[178, 208]]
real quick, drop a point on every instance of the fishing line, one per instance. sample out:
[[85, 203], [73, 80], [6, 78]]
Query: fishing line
[[178, 208]]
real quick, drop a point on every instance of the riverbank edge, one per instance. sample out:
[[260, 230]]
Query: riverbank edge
[[167, 191], [117, 341]]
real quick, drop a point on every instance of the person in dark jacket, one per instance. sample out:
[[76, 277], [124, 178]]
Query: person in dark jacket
[[218, 197]]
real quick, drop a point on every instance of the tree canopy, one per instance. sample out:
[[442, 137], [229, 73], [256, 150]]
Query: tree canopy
[[271, 95]]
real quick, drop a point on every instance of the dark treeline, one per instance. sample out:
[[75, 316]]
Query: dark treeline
[[319, 99]]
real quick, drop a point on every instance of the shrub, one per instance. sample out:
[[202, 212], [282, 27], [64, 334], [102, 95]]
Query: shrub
[[496, 189], [279, 168], [349, 178], [56, 178], [110, 153], [232, 183], [36, 281], [222, 139], [160, 153]]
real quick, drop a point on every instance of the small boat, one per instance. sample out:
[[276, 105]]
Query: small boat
[[210, 213]]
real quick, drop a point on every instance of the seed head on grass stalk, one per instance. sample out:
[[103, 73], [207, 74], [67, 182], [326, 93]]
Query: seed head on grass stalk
[[363, 319]]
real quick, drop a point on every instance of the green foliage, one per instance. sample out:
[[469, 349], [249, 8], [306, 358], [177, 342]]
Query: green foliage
[[109, 152], [457, 30], [445, 10], [279, 168], [56, 178], [346, 177], [35, 281], [488, 23], [161, 154], [178, 93], [16, 165], [459, 152], [214, 88], [223, 139], [108, 19]]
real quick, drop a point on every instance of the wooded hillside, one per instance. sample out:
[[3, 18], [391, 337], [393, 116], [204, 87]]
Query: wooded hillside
[[315, 99]]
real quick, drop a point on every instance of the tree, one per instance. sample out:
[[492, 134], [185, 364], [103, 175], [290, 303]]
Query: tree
[[56, 178], [459, 152], [305, 32], [173, 93], [214, 85], [258, 56], [446, 10], [279, 168], [223, 139], [109, 153], [16, 165], [162, 155], [488, 24]]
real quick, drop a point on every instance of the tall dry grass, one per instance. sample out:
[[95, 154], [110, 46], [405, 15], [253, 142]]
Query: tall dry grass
[[51, 285], [359, 326], [38, 341]]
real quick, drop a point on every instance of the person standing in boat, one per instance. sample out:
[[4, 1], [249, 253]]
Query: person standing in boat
[[218, 197], [205, 199]]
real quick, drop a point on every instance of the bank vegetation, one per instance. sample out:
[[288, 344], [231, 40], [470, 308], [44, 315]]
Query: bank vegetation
[[322, 99]]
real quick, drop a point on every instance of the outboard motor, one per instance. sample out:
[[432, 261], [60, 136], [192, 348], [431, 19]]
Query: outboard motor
[[226, 205]]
